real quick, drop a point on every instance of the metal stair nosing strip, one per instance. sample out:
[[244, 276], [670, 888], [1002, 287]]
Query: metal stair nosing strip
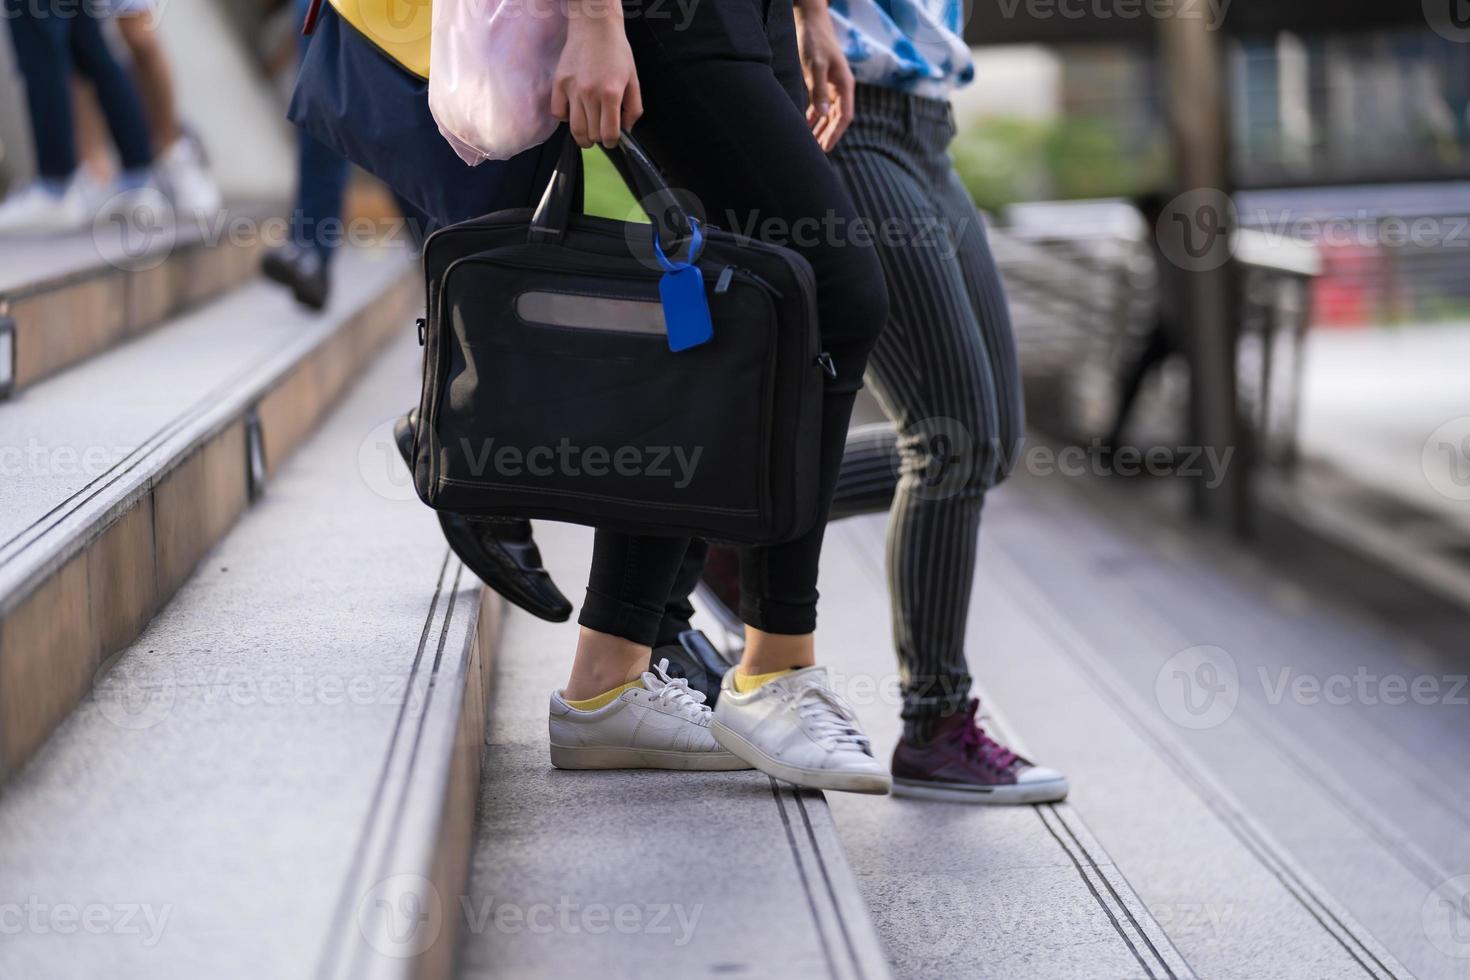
[[81, 583], [848, 940], [1356, 941], [1149, 944], [398, 912], [62, 319]]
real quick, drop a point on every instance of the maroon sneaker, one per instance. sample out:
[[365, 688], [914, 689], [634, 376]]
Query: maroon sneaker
[[963, 764], [719, 588]]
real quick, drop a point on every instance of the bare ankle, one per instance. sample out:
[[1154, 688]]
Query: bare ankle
[[603, 662], [769, 652]]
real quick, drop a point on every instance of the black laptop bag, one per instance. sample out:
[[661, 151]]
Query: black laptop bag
[[550, 389]]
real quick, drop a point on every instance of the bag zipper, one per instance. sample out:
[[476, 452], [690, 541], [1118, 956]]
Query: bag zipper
[[722, 278], [594, 226]]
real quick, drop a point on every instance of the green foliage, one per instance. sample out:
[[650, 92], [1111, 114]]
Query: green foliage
[[1004, 160], [1001, 160]]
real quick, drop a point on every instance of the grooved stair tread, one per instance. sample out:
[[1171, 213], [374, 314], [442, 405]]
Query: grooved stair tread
[[627, 873], [1285, 840], [223, 771], [60, 440]]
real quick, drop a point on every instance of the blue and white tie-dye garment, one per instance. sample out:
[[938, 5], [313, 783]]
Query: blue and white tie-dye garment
[[911, 45]]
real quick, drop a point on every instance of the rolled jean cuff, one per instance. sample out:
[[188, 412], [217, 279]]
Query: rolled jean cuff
[[633, 623], [787, 618]]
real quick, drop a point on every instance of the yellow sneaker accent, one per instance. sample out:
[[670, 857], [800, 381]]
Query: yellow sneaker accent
[[745, 683], [606, 697]]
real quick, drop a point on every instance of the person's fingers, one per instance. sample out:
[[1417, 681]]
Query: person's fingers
[[846, 87], [578, 121], [816, 119], [824, 134], [822, 127], [560, 107], [610, 112], [632, 104], [592, 109], [821, 92]]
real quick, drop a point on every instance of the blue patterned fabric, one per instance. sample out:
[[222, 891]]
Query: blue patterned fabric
[[914, 46]]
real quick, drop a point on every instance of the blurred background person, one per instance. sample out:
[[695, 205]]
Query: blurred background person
[[180, 166], [48, 46], [1163, 336], [303, 264]]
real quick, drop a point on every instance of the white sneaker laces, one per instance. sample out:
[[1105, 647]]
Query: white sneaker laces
[[674, 691], [829, 718]]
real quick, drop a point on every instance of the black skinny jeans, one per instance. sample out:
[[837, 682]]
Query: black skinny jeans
[[724, 116]]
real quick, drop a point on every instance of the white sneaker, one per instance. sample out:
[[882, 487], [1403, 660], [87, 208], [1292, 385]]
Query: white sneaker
[[798, 729], [183, 176], [144, 206], [37, 211], [661, 725]]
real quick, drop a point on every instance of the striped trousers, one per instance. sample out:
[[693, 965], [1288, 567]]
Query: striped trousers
[[945, 373]]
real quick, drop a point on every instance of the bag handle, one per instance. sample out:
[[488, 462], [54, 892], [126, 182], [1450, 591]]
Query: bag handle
[[672, 224]]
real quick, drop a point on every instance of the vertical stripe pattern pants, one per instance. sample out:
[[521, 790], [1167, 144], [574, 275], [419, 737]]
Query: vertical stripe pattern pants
[[944, 370]]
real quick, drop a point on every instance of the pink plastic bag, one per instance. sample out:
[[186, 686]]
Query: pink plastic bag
[[490, 69]]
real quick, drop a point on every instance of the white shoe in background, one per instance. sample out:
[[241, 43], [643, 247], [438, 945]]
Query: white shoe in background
[[145, 206], [38, 211], [798, 729], [660, 725], [183, 175]]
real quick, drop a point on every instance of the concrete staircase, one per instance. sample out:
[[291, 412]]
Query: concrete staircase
[[129, 467], [257, 721], [71, 297]]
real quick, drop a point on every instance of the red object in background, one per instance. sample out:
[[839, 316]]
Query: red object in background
[[1343, 296]]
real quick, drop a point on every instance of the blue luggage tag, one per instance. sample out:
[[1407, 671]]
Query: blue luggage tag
[[681, 289]]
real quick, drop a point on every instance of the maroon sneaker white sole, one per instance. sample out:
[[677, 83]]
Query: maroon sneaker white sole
[[1050, 788]]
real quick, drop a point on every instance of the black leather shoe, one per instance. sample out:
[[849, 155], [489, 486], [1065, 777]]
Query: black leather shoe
[[303, 271], [499, 550], [696, 658]]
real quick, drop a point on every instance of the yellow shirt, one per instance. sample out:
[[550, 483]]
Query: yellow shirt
[[398, 28]]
